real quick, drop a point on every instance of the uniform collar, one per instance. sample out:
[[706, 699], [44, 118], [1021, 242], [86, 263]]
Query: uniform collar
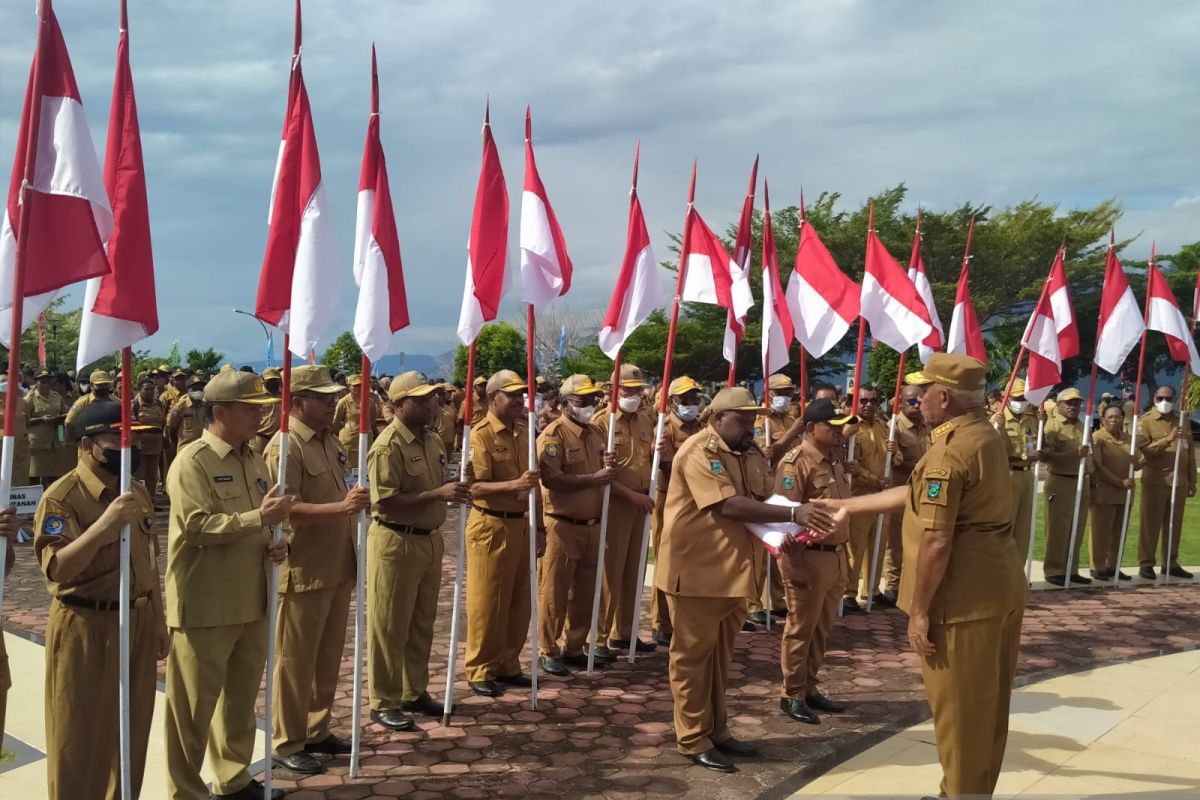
[[218, 445], [808, 447], [91, 481], [1154, 413], [496, 425], [575, 426], [300, 429], [403, 431]]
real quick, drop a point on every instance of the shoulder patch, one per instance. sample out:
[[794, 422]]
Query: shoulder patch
[[551, 448], [791, 456], [53, 526], [943, 429], [936, 472], [789, 482], [715, 466], [713, 443]]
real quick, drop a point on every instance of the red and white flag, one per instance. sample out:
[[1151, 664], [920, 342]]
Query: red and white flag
[[69, 217], [545, 265], [777, 330], [382, 303], [822, 301], [1164, 316], [1041, 339], [300, 282], [120, 308], [638, 291], [735, 324], [487, 249], [1064, 313], [1196, 300], [936, 339], [889, 301], [709, 276], [966, 337], [1120, 325]]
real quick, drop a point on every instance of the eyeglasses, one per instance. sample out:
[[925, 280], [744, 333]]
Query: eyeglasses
[[1162, 398], [869, 401], [913, 401]]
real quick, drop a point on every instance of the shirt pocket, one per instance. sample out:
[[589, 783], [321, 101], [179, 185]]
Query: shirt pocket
[[573, 455], [231, 496]]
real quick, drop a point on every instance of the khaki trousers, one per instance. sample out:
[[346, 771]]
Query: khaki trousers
[[758, 568], [404, 573], [622, 557], [213, 675], [660, 616], [5, 685], [497, 596], [566, 586], [1060, 505], [700, 654], [1024, 496], [860, 548], [310, 635], [815, 582], [82, 701], [893, 560], [1155, 518], [1106, 536], [969, 684]]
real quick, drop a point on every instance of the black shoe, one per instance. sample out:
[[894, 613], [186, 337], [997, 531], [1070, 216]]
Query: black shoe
[[580, 662], [779, 614], [330, 745], [1079, 579], [300, 762], [394, 719], [485, 688], [1101, 574], [662, 637], [732, 747], [757, 617], [520, 680], [1057, 580], [623, 645], [820, 702], [798, 710], [254, 790], [714, 760], [1121, 576], [749, 627], [1146, 573], [850, 606], [553, 665], [605, 654], [892, 596], [1179, 572], [882, 599], [424, 704]]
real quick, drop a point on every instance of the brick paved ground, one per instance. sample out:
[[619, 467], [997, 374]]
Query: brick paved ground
[[610, 736]]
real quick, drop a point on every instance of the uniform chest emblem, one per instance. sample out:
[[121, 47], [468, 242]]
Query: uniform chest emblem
[[54, 526], [551, 449], [716, 467], [341, 458], [934, 490], [262, 486], [789, 482]]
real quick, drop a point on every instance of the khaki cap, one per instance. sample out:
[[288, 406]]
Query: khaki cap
[[504, 381], [165, 369], [682, 385], [354, 380], [178, 373], [631, 377], [482, 380], [198, 378], [1070, 393], [232, 386], [954, 371], [227, 367], [735, 398], [780, 381], [580, 385], [410, 384], [1018, 388], [313, 378], [99, 377], [272, 372]]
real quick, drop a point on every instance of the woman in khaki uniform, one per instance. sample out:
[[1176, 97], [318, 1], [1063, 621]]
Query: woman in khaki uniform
[[1110, 482], [150, 413]]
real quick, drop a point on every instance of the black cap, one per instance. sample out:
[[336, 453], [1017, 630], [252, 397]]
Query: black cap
[[99, 418], [824, 411]]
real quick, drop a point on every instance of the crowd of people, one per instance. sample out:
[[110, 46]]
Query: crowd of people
[[954, 488]]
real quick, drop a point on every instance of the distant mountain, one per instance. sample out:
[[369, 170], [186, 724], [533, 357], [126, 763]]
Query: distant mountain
[[390, 365]]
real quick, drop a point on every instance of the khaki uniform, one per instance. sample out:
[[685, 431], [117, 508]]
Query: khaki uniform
[[547, 415], [1063, 438], [567, 572], [497, 555], [1156, 431], [776, 600], [217, 571], [675, 433], [479, 410], [185, 422], [10, 558], [870, 456], [82, 655], [1020, 434], [447, 428], [150, 442], [814, 576], [77, 408], [404, 563], [779, 426], [169, 395], [21, 449], [314, 590], [345, 422], [1111, 458], [706, 568], [975, 614], [912, 442], [46, 439], [271, 415], [633, 449]]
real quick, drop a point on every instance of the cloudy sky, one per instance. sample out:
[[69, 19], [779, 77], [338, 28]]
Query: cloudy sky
[[1071, 101]]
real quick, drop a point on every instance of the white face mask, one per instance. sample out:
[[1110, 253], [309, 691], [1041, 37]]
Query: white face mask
[[1164, 406], [196, 394], [583, 414], [1018, 406], [687, 413], [780, 403], [629, 404]]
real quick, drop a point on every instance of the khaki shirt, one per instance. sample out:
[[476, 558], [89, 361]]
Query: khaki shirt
[[169, 395], [479, 410], [568, 448], [1060, 438], [805, 474], [217, 562], [269, 426], [779, 426], [633, 447], [1020, 434], [77, 408], [400, 462], [322, 554], [345, 420], [912, 442], [447, 427], [961, 485], [498, 454], [185, 421], [152, 415], [702, 553], [675, 433], [44, 435], [870, 456], [68, 508], [1157, 443], [1110, 457]]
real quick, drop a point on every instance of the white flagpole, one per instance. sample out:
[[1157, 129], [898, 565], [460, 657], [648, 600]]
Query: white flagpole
[[637, 605], [593, 634], [1166, 574], [1033, 513], [1133, 437], [273, 581], [364, 407], [463, 510], [769, 605], [126, 585], [531, 380], [1079, 480]]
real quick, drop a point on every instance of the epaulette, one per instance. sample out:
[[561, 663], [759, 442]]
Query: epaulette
[[791, 456], [713, 444], [943, 429]]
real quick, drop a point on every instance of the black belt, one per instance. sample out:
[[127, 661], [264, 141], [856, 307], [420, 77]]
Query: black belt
[[99, 605], [500, 514], [1019, 469], [826, 548], [573, 521], [392, 526]]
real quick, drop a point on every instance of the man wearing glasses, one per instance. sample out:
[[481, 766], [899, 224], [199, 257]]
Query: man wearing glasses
[[1163, 432]]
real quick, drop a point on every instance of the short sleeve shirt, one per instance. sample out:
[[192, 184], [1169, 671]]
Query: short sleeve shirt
[[633, 446], [403, 462], [805, 474], [568, 448], [499, 454]]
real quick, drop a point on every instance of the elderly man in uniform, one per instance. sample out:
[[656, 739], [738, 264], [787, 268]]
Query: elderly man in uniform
[[1111, 482], [45, 413], [1020, 423], [870, 456], [315, 585], [1161, 433], [574, 472], [912, 442], [409, 495], [706, 567], [1062, 449], [498, 540], [962, 585], [77, 541], [269, 426], [218, 545]]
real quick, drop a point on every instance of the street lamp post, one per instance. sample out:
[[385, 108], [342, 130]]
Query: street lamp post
[[266, 332]]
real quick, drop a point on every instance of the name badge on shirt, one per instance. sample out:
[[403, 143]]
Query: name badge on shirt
[[222, 478]]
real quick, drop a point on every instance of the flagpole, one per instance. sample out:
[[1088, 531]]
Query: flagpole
[[530, 371], [1166, 574], [126, 579], [858, 356], [887, 476], [593, 633], [766, 401], [364, 423], [662, 413], [1081, 476], [456, 606], [277, 536]]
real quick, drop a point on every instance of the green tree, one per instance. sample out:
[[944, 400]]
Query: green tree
[[206, 360], [344, 355], [499, 346]]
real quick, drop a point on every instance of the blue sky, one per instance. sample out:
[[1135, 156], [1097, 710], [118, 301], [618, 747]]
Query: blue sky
[[1071, 101]]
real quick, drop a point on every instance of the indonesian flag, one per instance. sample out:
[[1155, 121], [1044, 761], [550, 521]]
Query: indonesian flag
[[889, 301], [1164, 316], [1064, 314], [545, 265], [382, 303], [120, 308], [487, 249], [735, 325], [916, 273], [1045, 363], [776, 320], [1120, 326], [299, 284], [966, 337], [821, 299], [638, 291], [67, 205]]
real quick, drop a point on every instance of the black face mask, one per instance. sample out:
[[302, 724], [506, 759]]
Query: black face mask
[[112, 460]]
